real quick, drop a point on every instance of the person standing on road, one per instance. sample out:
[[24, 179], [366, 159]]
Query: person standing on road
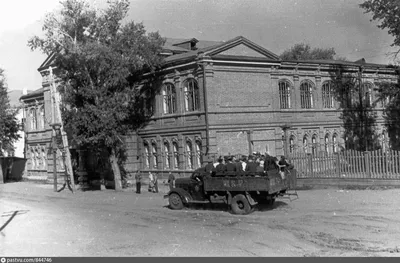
[[155, 189], [171, 180], [138, 178]]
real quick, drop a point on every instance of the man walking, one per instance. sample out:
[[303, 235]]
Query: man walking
[[138, 178], [155, 190]]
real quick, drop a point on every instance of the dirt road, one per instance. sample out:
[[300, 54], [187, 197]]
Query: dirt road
[[35, 221]]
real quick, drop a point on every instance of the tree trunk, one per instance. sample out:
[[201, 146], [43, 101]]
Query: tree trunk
[[116, 171]]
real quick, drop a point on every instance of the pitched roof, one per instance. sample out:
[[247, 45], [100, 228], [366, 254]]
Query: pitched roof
[[357, 63], [220, 47], [32, 94]]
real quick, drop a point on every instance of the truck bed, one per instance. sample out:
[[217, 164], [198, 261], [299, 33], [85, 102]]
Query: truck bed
[[270, 184]]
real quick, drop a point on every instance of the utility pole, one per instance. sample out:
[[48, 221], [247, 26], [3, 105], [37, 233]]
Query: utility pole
[[57, 115]]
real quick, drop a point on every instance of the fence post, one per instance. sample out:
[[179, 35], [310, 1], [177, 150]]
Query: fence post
[[337, 164], [310, 164], [367, 164]]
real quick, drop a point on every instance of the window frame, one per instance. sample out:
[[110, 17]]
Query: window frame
[[169, 98], [307, 94], [328, 99], [191, 95], [284, 94]]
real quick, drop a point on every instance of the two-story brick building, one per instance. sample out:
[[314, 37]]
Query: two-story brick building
[[236, 97]]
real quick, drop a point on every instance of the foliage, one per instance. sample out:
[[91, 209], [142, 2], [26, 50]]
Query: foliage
[[305, 52], [357, 109], [8, 122], [389, 97], [388, 13], [100, 62]]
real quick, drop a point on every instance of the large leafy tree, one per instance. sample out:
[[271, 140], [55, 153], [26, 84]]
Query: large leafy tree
[[387, 13], [303, 51], [9, 126], [8, 122], [100, 61], [357, 109]]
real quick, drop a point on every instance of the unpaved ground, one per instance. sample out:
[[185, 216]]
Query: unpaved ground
[[35, 221]]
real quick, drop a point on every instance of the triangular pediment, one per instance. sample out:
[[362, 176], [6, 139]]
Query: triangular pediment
[[242, 50], [241, 46]]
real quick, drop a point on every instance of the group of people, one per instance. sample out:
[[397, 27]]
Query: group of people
[[153, 182], [252, 164]]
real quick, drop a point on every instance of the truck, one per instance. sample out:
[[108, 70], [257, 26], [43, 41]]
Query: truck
[[241, 191]]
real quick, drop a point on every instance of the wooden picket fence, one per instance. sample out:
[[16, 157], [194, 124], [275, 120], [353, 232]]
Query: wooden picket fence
[[353, 164]]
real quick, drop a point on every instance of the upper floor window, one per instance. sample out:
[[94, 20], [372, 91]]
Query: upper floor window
[[169, 96], [367, 93], [41, 118], [284, 94], [306, 95], [192, 97], [327, 95], [33, 117]]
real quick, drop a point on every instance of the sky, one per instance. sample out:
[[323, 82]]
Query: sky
[[274, 24]]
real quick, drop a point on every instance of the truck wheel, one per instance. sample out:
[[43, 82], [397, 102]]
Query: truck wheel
[[175, 201], [240, 205]]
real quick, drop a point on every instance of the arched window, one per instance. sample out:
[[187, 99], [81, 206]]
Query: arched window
[[367, 93], [167, 152], [189, 152], [327, 143], [175, 149], [334, 143], [306, 95], [305, 143], [314, 144], [169, 95], [147, 155], [33, 117], [192, 97], [284, 94], [291, 144], [154, 154], [327, 95], [41, 118], [199, 155]]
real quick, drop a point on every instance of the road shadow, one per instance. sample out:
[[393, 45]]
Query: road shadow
[[269, 207], [11, 214], [226, 208]]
